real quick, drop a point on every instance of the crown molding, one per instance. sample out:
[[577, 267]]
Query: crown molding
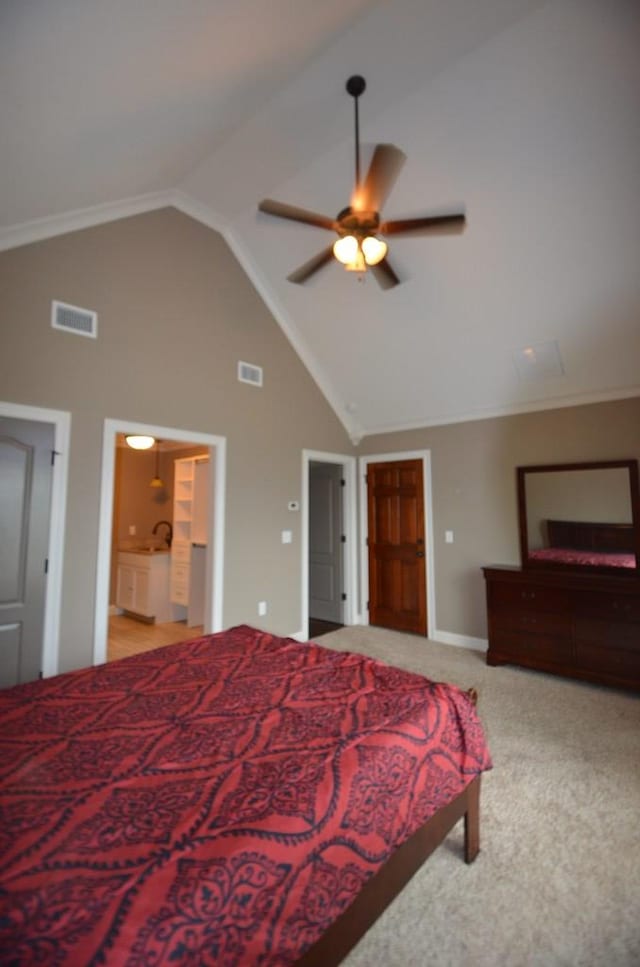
[[40, 229], [202, 213], [557, 403]]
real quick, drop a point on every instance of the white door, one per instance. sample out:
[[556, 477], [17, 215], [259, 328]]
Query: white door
[[26, 450], [325, 542]]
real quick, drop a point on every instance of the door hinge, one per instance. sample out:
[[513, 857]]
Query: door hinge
[[343, 539], [40, 675], [343, 483], [367, 605], [344, 597], [46, 565]]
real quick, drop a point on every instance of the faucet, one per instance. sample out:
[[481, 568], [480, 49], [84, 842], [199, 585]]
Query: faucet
[[169, 536]]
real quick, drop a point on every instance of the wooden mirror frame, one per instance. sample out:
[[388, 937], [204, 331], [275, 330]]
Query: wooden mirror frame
[[632, 468]]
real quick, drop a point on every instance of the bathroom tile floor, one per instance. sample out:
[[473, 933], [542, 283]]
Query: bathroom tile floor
[[130, 637]]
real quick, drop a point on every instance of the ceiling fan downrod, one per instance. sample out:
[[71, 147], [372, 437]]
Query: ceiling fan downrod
[[355, 86]]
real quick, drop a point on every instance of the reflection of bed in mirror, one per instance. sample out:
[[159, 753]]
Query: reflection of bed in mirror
[[580, 507], [573, 606], [587, 543]]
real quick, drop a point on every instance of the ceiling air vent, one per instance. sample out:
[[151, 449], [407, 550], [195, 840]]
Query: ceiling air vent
[[81, 322], [248, 373]]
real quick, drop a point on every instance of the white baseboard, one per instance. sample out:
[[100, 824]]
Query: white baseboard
[[460, 641], [443, 637]]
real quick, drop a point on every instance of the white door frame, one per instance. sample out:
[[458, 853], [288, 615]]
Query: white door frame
[[425, 456], [215, 542], [348, 463], [61, 422]]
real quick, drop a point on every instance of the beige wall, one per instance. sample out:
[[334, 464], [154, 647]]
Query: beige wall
[[176, 313], [474, 488]]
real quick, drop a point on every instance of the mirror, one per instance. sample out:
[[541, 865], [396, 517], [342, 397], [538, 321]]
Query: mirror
[[580, 515]]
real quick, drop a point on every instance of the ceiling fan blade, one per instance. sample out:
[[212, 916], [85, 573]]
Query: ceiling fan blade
[[384, 274], [385, 167], [313, 265], [295, 214], [430, 225]]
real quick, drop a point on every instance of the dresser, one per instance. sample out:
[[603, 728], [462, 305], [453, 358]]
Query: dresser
[[579, 625]]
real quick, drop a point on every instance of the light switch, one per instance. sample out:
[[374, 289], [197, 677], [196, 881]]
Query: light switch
[[448, 536], [287, 537]]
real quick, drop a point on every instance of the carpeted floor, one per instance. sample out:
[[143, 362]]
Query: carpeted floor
[[558, 878]]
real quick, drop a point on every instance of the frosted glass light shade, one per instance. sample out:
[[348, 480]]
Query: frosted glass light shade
[[139, 442], [373, 249], [345, 249]]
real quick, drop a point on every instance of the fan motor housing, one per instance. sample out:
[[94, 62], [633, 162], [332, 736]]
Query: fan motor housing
[[349, 222]]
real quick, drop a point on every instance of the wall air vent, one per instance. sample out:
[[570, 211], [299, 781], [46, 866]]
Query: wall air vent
[[81, 322], [248, 373]]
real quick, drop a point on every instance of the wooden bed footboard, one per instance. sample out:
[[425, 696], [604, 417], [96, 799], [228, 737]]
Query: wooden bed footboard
[[380, 890]]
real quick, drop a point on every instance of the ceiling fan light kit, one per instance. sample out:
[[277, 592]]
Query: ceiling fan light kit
[[358, 226]]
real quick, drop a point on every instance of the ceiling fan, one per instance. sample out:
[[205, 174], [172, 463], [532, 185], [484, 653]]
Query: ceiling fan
[[358, 226]]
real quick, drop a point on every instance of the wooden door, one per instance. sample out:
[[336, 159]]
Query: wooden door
[[396, 544], [26, 449]]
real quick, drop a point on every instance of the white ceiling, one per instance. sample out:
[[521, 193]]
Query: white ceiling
[[523, 113]]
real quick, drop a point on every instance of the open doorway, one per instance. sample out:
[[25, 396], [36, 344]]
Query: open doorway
[[151, 569], [329, 547]]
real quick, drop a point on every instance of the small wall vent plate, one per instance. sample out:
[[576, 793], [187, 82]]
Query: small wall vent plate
[[248, 373], [80, 322]]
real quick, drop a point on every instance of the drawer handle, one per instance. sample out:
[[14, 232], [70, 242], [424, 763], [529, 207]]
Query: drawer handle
[[527, 594]]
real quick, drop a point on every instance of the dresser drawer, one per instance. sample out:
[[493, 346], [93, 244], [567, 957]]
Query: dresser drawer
[[530, 648], [615, 662], [615, 607], [532, 622], [529, 596], [610, 634]]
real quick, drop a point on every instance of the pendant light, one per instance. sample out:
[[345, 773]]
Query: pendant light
[[157, 481]]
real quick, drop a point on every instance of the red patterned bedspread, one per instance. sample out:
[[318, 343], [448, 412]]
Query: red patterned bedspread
[[568, 555], [219, 801]]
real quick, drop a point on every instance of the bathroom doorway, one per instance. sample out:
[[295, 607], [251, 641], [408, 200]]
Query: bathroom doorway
[[146, 559]]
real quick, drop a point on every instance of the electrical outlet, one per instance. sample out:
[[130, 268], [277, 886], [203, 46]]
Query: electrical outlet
[[287, 537], [262, 608], [448, 537]]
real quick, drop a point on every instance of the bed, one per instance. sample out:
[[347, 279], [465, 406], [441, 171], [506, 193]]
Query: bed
[[587, 543], [237, 799]]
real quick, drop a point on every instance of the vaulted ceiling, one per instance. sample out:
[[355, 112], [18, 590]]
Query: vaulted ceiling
[[524, 114]]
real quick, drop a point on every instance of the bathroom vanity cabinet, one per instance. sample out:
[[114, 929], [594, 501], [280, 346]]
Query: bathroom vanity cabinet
[[143, 584]]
